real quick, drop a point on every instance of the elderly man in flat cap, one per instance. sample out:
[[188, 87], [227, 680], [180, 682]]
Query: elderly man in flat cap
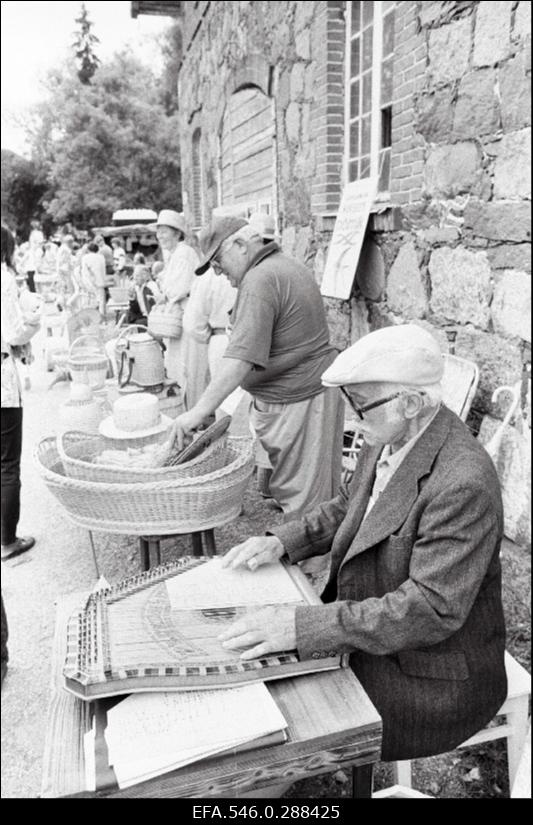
[[278, 349], [414, 592]]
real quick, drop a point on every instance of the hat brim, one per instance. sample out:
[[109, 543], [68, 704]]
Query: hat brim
[[203, 267], [108, 429]]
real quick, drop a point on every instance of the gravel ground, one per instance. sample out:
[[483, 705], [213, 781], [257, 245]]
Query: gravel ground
[[62, 563]]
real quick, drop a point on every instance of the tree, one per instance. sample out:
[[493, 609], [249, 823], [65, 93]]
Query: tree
[[83, 46], [23, 187], [106, 145], [171, 44]]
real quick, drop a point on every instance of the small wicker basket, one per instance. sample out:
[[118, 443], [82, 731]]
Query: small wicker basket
[[177, 505], [88, 361]]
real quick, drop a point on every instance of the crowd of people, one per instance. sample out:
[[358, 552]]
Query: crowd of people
[[412, 542]]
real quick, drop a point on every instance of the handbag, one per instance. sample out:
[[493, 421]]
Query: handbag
[[166, 320]]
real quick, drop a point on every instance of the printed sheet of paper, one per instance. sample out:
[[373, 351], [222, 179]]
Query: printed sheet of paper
[[150, 734], [212, 586]]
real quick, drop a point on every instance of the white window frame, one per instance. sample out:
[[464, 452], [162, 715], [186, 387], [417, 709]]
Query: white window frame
[[375, 125]]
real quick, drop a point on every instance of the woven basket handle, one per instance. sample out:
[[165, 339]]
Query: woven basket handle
[[93, 338], [136, 327]]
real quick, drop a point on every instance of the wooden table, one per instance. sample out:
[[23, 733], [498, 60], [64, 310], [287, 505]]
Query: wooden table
[[331, 724]]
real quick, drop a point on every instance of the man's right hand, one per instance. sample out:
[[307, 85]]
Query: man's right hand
[[254, 552]]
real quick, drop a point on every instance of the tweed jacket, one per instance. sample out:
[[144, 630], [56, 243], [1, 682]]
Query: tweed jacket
[[414, 591]]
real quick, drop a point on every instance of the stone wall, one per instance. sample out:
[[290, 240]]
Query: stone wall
[[452, 251]]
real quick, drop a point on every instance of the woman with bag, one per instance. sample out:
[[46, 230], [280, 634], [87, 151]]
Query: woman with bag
[[177, 279]]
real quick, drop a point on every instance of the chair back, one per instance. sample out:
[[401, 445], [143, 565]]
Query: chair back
[[459, 384]]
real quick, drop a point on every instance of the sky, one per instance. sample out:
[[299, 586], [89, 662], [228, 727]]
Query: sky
[[35, 36]]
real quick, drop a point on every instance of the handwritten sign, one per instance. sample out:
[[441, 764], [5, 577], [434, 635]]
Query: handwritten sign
[[347, 239]]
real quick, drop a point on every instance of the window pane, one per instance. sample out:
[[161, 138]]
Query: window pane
[[367, 48], [365, 134], [384, 174], [388, 34], [368, 13], [367, 93], [364, 171], [353, 172], [354, 65], [354, 139], [386, 81], [356, 17], [354, 99]]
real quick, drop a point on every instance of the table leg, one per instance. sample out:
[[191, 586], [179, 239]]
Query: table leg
[[209, 542], [196, 539], [154, 543], [362, 781]]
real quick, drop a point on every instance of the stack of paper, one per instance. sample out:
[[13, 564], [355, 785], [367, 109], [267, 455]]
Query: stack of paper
[[149, 734]]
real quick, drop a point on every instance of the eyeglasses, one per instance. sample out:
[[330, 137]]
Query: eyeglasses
[[359, 411], [215, 260]]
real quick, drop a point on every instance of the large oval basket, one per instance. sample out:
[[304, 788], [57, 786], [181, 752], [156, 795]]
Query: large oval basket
[[177, 505]]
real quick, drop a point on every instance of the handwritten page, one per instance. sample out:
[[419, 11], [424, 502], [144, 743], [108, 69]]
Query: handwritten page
[[152, 733], [211, 586]]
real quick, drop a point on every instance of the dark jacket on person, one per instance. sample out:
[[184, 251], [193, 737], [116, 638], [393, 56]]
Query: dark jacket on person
[[414, 591]]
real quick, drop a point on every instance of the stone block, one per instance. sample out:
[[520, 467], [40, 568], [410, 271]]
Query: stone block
[[476, 111], [297, 81], [511, 305], [292, 122], [522, 21], [499, 221], [460, 286], [499, 361], [452, 169], [449, 50], [434, 115], [510, 256], [302, 42], [510, 448], [309, 81], [301, 249], [284, 90], [512, 170], [303, 14], [288, 240], [319, 265], [515, 94], [492, 36], [359, 320], [406, 293], [338, 316], [429, 13], [440, 235]]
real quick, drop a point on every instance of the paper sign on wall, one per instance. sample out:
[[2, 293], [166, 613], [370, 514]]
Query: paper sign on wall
[[347, 239]]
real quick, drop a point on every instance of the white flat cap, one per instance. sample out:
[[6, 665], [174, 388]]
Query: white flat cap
[[403, 354], [167, 217]]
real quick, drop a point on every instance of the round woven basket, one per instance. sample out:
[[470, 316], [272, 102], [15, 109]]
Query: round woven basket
[[88, 361], [79, 450], [177, 505]]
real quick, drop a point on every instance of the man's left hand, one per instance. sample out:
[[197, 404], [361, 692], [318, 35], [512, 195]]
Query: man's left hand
[[266, 630]]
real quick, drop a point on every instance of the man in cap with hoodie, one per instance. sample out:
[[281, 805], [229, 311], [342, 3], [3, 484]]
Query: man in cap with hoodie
[[279, 347], [414, 591]]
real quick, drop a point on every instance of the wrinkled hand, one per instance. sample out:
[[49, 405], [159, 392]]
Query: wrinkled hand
[[266, 630], [182, 426], [254, 552]]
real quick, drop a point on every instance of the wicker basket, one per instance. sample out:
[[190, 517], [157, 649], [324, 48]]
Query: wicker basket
[[177, 505], [78, 450], [166, 320], [88, 361]]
